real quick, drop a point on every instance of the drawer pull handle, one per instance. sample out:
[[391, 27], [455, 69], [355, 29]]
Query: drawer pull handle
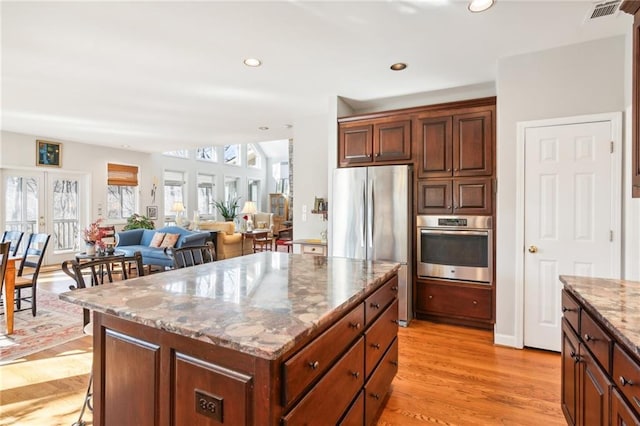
[[375, 305], [355, 374], [475, 302], [394, 363], [575, 357], [374, 395], [430, 297], [625, 382], [355, 325], [588, 338], [375, 345], [395, 321], [394, 288], [565, 309], [314, 365]]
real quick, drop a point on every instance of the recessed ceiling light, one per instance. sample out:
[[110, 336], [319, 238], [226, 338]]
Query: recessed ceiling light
[[263, 128], [252, 62], [125, 146], [480, 5], [288, 126], [398, 66]]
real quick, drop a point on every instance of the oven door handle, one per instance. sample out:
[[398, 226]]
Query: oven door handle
[[465, 232]]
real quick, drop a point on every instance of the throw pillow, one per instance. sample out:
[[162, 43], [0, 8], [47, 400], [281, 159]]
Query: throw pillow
[[170, 240], [157, 239]]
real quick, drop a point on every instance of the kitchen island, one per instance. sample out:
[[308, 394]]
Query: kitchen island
[[266, 339], [600, 351]]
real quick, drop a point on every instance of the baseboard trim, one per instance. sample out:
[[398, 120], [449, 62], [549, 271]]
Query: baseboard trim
[[505, 340]]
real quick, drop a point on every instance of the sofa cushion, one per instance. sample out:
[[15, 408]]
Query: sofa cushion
[[157, 239], [228, 228], [170, 240]]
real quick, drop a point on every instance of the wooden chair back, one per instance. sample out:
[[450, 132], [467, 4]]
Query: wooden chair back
[[34, 255], [261, 241], [184, 257], [5, 251], [15, 238], [96, 269]]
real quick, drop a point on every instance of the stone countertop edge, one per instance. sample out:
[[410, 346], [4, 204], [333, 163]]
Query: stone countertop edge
[[613, 302], [267, 344]]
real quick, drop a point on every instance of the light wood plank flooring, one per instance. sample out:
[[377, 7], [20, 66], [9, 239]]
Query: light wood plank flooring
[[448, 375]]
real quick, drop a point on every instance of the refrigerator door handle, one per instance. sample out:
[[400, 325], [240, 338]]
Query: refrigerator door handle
[[370, 208], [362, 210]]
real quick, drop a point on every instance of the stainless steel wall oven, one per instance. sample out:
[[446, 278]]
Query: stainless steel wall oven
[[455, 247]]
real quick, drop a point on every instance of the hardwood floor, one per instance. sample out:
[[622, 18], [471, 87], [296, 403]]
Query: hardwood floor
[[448, 375]]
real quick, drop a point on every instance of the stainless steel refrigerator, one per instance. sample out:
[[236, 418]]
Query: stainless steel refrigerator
[[371, 220]]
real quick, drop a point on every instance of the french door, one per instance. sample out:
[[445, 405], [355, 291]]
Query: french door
[[45, 202]]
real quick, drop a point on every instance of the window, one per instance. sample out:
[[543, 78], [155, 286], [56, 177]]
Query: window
[[181, 153], [122, 182], [232, 155], [21, 204], [206, 195], [173, 192], [207, 153], [253, 192], [231, 187], [66, 213], [253, 157]]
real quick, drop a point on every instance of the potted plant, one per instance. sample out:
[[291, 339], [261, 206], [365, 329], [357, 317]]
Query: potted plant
[[137, 221], [228, 209]]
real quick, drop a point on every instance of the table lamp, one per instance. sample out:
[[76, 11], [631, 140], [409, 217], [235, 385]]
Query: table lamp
[[178, 207], [249, 209]]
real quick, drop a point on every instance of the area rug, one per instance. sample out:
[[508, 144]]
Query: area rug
[[56, 322]]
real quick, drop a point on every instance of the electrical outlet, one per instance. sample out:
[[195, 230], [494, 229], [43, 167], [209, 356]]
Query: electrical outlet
[[209, 405], [304, 217], [304, 209]]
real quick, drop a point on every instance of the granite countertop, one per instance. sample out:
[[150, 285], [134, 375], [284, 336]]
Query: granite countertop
[[261, 304], [615, 303]]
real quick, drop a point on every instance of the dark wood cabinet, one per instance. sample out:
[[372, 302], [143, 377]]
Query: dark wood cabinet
[[455, 196], [591, 358], [455, 145], [374, 142], [633, 7], [437, 299]]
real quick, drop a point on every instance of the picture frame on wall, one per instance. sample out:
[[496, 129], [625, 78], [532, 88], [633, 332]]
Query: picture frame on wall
[[152, 212], [48, 154]]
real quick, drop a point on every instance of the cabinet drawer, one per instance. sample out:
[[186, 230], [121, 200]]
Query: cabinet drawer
[[374, 305], [454, 300], [355, 415], [329, 399], [626, 375], [571, 310], [379, 336], [596, 340], [378, 385], [308, 364], [319, 250]]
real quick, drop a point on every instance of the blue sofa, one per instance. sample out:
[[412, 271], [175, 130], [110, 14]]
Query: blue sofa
[[138, 240]]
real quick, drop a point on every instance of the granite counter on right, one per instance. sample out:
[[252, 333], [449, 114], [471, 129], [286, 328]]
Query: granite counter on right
[[600, 351]]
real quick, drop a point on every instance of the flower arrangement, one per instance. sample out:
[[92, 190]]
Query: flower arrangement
[[91, 234], [138, 221]]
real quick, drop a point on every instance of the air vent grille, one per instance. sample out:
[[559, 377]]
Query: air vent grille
[[606, 8]]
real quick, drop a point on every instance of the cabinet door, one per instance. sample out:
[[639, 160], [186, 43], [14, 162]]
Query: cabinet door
[[621, 414], [635, 143], [435, 149], [570, 373], [355, 144], [473, 144], [392, 141], [435, 197], [472, 196], [595, 390]]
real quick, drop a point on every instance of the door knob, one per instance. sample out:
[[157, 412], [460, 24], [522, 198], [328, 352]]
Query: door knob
[[533, 249]]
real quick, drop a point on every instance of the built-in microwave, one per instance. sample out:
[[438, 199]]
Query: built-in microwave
[[455, 247]]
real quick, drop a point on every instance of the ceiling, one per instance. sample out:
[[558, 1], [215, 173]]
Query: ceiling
[[158, 76]]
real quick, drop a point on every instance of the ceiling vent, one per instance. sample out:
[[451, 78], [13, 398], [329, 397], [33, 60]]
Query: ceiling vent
[[604, 8]]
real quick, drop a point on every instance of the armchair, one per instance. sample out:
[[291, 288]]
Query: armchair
[[264, 221], [229, 243]]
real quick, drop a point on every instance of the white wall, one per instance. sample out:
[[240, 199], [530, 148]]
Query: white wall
[[581, 79], [310, 156]]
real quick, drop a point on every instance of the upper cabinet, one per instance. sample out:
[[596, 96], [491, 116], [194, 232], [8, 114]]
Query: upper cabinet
[[633, 8], [455, 145], [369, 142]]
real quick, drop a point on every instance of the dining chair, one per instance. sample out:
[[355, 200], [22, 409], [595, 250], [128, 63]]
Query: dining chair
[[14, 237], [191, 255], [284, 237], [262, 242], [5, 251], [77, 271], [30, 269]]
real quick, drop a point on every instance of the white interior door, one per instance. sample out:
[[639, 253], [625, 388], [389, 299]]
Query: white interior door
[[45, 202], [570, 224]]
